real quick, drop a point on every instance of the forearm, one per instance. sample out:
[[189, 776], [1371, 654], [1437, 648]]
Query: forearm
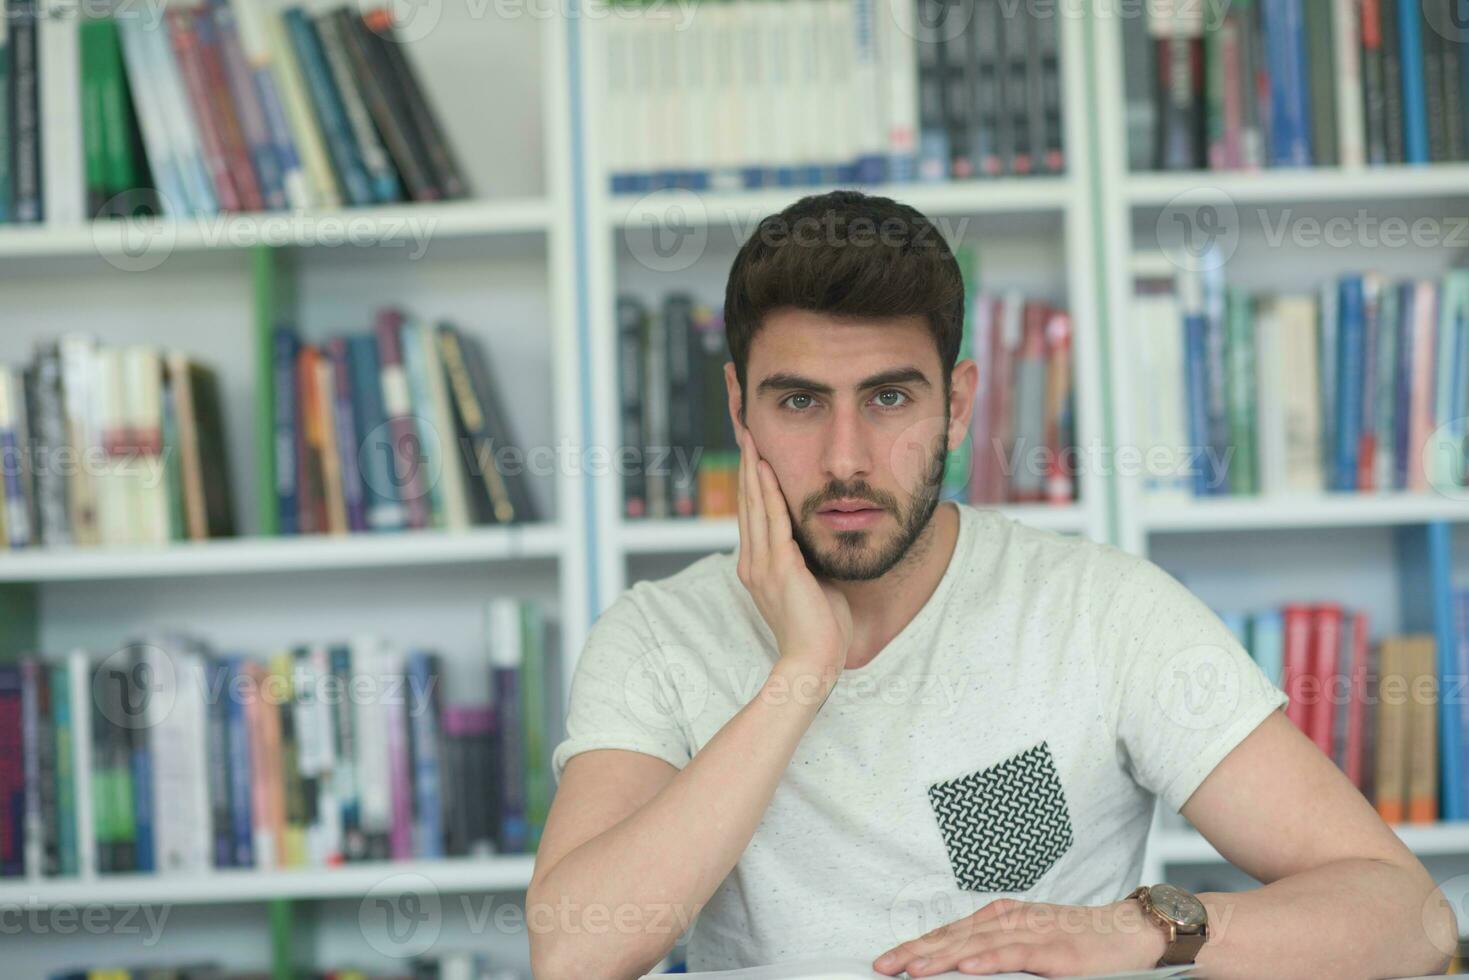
[[1354, 918], [645, 879]]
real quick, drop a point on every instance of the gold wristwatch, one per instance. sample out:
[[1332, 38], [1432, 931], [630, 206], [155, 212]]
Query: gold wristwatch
[[1182, 915]]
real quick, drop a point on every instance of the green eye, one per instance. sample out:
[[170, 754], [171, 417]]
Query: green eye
[[791, 400], [894, 392]]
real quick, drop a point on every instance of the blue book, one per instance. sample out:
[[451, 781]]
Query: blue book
[[241, 821], [1290, 105], [380, 493], [330, 113], [1415, 106], [423, 717], [1350, 381], [1195, 340], [217, 756], [1268, 646], [287, 481], [1404, 401], [239, 78], [141, 766]]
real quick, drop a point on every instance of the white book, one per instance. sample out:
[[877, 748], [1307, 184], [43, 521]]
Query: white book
[[615, 124], [178, 122], [176, 735], [721, 50], [374, 796], [1300, 390], [79, 673], [1347, 40], [898, 108], [17, 521], [752, 83], [1159, 414], [58, 64], [784, 108], [145, 461], [846, 106], [865, 83], [78, 368], [1269, 400], [853, 968]]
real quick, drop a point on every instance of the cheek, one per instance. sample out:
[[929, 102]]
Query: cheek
[[911, 450]]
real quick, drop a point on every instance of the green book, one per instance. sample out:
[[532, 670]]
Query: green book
[[1239, 353], [65, 770]]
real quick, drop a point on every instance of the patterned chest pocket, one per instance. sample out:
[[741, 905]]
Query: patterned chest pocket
[[1005, 825]]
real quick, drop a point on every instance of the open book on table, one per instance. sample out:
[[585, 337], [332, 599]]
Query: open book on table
[[844, 968]]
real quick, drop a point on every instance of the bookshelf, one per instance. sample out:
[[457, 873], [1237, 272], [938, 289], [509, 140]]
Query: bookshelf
[[501, 265], [1029, 232], [533, 265], [1243, 552]]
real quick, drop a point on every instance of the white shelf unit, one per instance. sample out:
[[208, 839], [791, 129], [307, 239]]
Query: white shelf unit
[[1242, 553], [1031, 233], [501, 266]]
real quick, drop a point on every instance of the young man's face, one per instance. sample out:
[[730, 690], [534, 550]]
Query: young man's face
[[853, 413]]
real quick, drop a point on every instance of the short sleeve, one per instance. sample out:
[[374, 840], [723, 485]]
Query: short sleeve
[[621, 695], [1180, 690]]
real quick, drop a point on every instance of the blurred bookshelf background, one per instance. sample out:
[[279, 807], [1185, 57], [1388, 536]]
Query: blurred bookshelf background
[[354, 358]]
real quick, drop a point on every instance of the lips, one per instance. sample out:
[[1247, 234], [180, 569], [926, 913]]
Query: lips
[[848, 507]]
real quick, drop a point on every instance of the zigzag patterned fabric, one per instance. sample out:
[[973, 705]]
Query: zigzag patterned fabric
[[1006, 825]]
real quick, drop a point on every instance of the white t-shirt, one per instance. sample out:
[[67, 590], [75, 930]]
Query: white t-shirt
[[1009, 741]]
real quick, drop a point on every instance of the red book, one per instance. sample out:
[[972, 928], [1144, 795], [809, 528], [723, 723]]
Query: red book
[[1296, 666], [211, 143], [1326, 644], [1356, 754], [232, 136]]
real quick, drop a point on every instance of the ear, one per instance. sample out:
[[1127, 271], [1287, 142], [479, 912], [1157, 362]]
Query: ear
[[732, 392], [963, 386]]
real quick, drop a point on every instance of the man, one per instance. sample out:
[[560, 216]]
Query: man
[[884, 706]]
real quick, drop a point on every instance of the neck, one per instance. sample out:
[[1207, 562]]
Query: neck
[[881, 607]]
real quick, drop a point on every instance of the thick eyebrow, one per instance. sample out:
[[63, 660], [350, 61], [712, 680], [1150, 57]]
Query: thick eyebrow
[[786, 381]]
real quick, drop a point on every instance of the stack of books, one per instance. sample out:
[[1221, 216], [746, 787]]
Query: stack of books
[[1372, 707], [1358, 385], [111, 446], [167, 756], [1293, 83], [210, 106], [399, 427], [758, 94]]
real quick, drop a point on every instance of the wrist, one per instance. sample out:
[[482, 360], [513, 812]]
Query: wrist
[[802, 680], [1144, 935]]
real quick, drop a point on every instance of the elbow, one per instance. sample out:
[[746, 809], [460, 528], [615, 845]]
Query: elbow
[[1441, 926], [559, 950]]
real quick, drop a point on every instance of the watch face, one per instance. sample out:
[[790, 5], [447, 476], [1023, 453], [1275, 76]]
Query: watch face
[[1178, 905]]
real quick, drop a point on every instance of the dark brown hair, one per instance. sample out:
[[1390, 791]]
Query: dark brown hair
[[850, 255]]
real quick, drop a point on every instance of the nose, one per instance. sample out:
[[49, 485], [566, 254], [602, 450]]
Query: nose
[[846, 455]]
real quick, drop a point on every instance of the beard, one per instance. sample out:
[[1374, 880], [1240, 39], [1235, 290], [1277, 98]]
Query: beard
[[853, 558]]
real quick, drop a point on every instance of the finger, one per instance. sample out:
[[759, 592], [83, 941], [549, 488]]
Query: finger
[[777, 516], [742, 506], [758, 523], [1045, 959], [986, 954]]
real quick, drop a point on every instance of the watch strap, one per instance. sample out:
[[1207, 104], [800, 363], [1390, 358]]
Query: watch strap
[[1183, 949]]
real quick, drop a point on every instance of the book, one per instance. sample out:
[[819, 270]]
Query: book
[[852, 968]]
